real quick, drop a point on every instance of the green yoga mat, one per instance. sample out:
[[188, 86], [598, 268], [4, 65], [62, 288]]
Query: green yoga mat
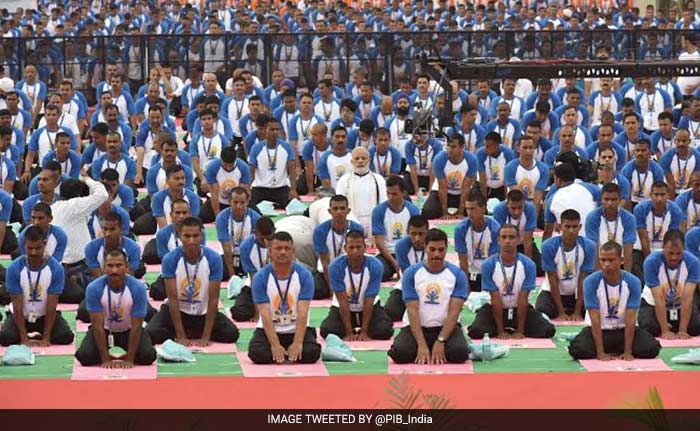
[[206, 365]]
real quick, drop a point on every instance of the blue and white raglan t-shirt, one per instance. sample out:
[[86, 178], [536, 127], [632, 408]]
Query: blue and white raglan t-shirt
[[95, 252], [671, 281], [692, 241], [477, 244], [332, 167], [120, 306], [35, 284], [192, 278], [508, 281], [568, 264], [641, 181], [271, 164], [167, 240], [433, 291], [254, 255], [283, 295], [452, 173], [611, 300], [527, 222], [686, 202], [679, 168], [162, 202], [227, 180], [229, 229], [327, 240], [392, 225], [407, 254], [656, 226], [56, 242], [358, 286], [622, 230], [527, 180]]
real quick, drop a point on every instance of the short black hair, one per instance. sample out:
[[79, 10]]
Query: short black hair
[[193, 221], [437, 235], [113, 216], [570, 214], [282, 236], [172, 170], [418, 221], [610, 246], [610, 188], [228, 154], [674, 235], [34, 233], [515, 196], [42, 207], [110, 174], [265, 226], [71, 188], [339, 198], [396, 180], [354, 234]]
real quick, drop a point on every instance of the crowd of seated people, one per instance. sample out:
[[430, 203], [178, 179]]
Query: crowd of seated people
[[94, 157]]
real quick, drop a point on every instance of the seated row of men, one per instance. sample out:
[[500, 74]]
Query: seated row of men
[[432, 296]]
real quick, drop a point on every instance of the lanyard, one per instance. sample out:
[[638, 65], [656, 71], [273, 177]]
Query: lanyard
[[415, 255], [260, 259], [327, 113], [381, 167], [48, 135], [339, 249], [477, 248], [695, 210], [402, 132], [493, 175], [236, 236], [239, 108], [569, 270], [509, 283], [696, 132], [681, 172], [191, 282], [109, 166], [605, 108], [641, 183], [305, 131], [611, 236], [207, 148], [423, 159], [612, 309], [34, 290], [657, 235], [270, 160], [672, 293], [650, 104], [284, 304], [114, 314], [355, 299]]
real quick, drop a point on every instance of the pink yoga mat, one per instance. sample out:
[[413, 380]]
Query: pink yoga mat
[[215, 348], [153, 268], [67, 307], [617, 365], [465, 368], [321, 303], [306, 198], [139, 372], [156, 304], [280, 370], [441, 221], [399, 324], [390, 284], [81, 326], [145, 238], [690, 342], [53, 350], [539, 281], [246, 325]]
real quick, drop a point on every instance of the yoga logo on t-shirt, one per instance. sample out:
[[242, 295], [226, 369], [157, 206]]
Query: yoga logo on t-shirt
[[454, 180], [283, 311], [189, 292], [397, 230], [432, 294]]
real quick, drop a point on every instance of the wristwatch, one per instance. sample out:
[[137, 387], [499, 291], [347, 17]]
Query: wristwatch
[[441, 339]]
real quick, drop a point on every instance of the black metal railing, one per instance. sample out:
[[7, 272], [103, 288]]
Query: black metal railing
[[307, 57]]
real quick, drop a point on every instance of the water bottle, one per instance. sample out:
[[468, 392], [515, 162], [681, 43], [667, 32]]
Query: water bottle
[[486, 352], [420, 198]]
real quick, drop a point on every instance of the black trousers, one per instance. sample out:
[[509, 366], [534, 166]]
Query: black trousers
[[646, 317], [432, 209], [498, 193], [150, 253], [638, 265], [404, 350], [145, 225], [10, 243], [423, 183], [321, 289], [60, 333], [380, 326], [388, 271], [260, 349], [20, 191], [536, 257], [206, 212], [394, 306], [302, 187], [645, 346], [545, 304], [16, 215], [536, 326], [84, 316], [279, 196], [243, 309], [89, 355], [157, 289], [475, 285], [77, 278], [161, 328], [138, 210]]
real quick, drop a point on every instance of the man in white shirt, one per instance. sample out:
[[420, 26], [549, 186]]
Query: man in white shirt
[[364, 189], [688, 84], [568, 194], [72, 213]]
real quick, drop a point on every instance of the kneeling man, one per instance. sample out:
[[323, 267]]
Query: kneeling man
[[434, 292], [283, 331], [355, 279]]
